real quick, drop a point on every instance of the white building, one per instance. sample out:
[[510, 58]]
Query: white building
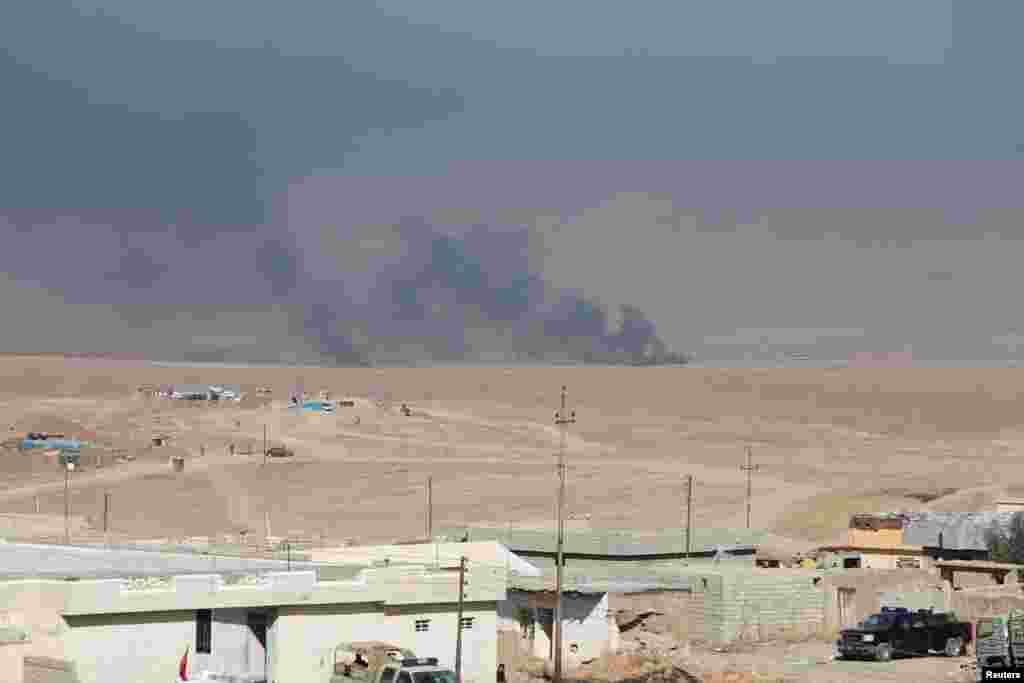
[[278, 626], [528, 616]]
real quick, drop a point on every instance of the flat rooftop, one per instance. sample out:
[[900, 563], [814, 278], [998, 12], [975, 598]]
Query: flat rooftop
[[29, 560]]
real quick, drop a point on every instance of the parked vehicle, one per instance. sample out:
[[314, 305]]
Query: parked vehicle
[[422, 670], [999, 641], [361, 662], [898, 631]]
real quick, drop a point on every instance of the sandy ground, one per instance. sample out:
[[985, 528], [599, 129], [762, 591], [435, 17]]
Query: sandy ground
[[812, 662], [828, 443]]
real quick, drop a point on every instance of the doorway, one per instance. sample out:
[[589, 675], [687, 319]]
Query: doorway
[[546, 619], [257, 652], [845, 601]]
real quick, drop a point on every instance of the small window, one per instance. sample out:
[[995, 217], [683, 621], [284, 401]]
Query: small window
[[204, 631], [422, 625], [467, 623], [387, 675]]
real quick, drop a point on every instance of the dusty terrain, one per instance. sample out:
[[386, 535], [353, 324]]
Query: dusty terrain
[[828, 443]]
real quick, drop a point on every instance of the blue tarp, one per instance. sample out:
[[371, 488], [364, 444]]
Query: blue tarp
[[317, 405], [62, 444]]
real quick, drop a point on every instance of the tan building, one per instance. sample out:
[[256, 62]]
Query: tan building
[[877, 530]]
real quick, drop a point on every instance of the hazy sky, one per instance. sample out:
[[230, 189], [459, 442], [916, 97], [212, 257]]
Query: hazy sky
[[264, 180]]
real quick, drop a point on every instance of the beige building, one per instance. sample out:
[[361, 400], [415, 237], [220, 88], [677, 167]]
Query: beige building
[[277, 626]]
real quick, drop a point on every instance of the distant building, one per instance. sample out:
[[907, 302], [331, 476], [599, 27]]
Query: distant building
[[953, 535], [204, 392], [191, 392], [318, 406], [913, 539]]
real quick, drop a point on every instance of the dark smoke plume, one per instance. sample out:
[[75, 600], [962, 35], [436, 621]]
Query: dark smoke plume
[[466, 295]]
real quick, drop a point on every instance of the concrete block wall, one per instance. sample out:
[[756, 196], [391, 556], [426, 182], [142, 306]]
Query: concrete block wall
[[973, 606], [760, 605]]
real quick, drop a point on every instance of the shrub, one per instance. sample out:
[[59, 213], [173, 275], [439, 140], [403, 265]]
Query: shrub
[[681, 631], [617, 667], [791, 633], [827, 633], [533, 666], [1007, 545]]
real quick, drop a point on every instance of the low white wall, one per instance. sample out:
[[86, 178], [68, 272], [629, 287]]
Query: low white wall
[[142, 648]]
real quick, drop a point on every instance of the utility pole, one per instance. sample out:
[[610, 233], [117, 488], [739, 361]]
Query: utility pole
[[458, 624], [689, 504], [563, 420], [430, 508], [68, 467], [750, 469], [264, 443]]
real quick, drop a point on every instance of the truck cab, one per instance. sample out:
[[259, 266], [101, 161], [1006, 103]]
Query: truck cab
[[415, 670], [1000, 641], [992, 645], [379, 662], [899, 631]]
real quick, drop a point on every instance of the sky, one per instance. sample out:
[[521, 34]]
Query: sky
[[399, 181]]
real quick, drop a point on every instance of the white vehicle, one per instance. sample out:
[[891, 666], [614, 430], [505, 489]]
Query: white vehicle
[[206, 675]]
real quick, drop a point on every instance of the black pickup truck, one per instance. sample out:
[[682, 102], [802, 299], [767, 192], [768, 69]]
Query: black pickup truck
[[898, 631]]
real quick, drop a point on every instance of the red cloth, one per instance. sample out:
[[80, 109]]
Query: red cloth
[[183, 666]]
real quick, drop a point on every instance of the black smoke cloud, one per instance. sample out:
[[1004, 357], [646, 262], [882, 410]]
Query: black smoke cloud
[[445, 293], [434, 294]]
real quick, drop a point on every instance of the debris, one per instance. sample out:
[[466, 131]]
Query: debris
[[280, 452]]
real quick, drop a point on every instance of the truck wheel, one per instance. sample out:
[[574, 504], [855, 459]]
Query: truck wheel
[[883, 653], [954, 647]]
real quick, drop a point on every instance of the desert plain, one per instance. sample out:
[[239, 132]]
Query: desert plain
[[827, 443]]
